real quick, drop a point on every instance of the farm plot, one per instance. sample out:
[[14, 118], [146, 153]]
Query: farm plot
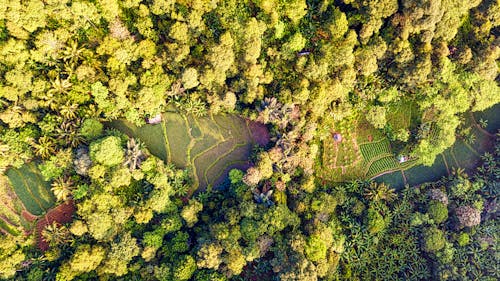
[[375, 150], [10, 209], [31, 189], [381, 165], [207, 146], [400, 115], [218, 169], [339, 159], [152, 136], [178, 138]]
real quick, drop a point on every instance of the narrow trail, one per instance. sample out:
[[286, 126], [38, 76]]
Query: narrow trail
[[476, 124]]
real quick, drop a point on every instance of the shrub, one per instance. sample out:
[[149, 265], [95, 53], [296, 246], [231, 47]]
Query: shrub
[[434, 240], [91, 129], [463, 239], [468, 216], [107, 151], [437, 211]]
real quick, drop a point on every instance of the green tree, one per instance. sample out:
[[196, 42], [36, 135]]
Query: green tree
[[437, 211], [433, 240], [190, 212], [184, 268], [85, 259], [107, 151]]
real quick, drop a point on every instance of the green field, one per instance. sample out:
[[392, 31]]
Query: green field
[[32, 190], [208, 146]]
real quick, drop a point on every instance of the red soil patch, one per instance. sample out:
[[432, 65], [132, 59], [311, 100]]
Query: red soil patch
[[260, 134], [60, 214], [28, 216]]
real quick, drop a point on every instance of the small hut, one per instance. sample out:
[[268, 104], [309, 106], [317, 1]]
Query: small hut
[[402, 158], [337, 137], [154, 120]]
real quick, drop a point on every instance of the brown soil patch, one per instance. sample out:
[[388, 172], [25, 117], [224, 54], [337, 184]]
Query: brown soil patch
[[260, 134], [28, 216], [60, 214]]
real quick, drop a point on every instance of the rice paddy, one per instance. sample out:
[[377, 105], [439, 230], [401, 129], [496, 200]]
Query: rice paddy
[[207, 146]]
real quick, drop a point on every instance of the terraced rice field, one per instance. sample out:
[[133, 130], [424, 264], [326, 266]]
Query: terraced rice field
[[24, 196], [380, 163], [207, 146], [460, 155], [31, 189]]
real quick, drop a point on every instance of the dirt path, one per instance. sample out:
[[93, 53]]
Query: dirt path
[[476, 124], [61, 214]]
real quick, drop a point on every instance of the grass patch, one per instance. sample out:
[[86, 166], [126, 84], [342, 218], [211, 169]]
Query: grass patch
[[466, 156], [421, 174], [491, 115], [178, 138], [151, 135], [399, 115], [366, 132], [194, 128], [206, 159], [394, 179]]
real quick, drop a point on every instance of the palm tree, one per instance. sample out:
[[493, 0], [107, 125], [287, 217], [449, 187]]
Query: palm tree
[[60, 86], [270, 110], [68, 110], [45, 147], [61, 187], [55, 234], [380, 191], [193, 106], [176, 90], [72, 53], [68, 133], [134, 155]]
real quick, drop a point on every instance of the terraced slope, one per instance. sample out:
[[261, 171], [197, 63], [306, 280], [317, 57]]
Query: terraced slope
[[31, 189], [208, 146], [460, 155], [24, 196]]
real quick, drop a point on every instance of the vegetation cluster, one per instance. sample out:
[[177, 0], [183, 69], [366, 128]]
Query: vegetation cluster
[[347, 90]]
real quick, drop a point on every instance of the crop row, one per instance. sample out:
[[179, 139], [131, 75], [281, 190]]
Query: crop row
[[382, 165], [373, 149]]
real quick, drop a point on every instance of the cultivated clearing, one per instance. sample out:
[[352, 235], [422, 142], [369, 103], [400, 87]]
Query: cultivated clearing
[[24, 196], [31, 189], [365, 152], [207, 146]]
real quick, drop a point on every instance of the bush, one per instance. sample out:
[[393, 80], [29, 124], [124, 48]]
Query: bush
[[463, 239], [107, 151], [91, 129], [437, 211], [468, 216], [434, 240], [315, 248]]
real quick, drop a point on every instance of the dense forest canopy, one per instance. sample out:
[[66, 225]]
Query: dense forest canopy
[[347, 89]]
